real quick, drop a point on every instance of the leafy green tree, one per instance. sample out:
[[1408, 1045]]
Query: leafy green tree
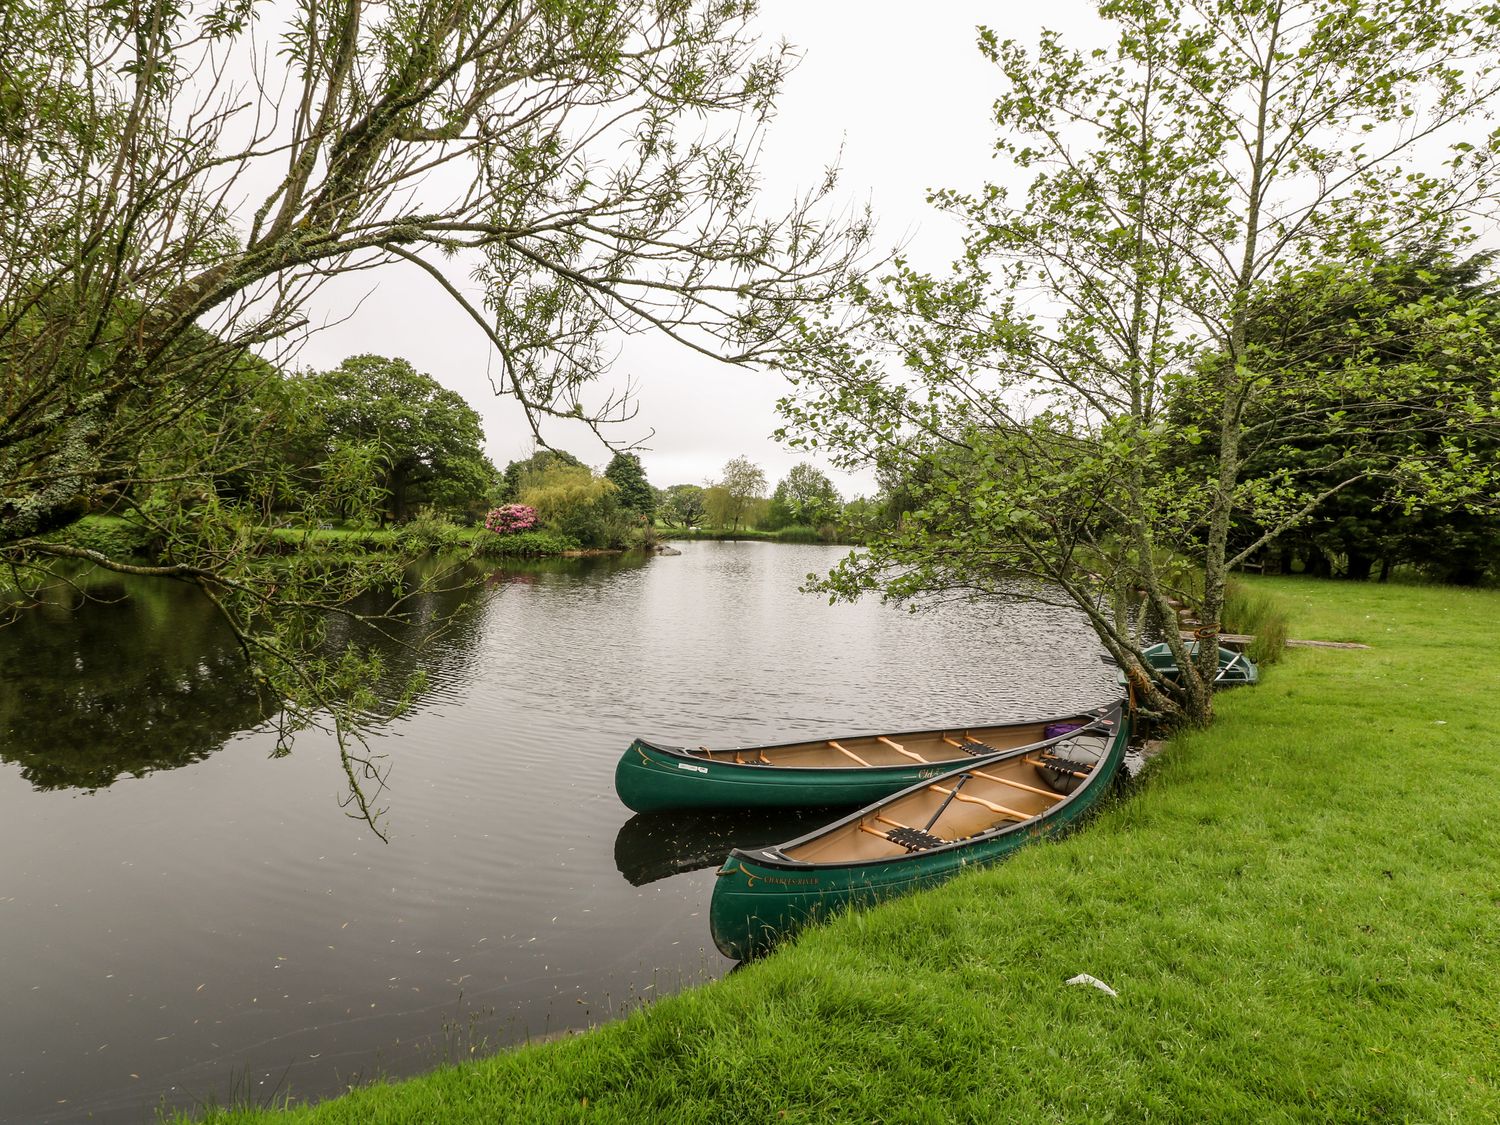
[[572, 501], [682, 505], [804, 496], [862, 515], [428, 439], [518, 473], [718, 508], [636, 494], [606, 152], [1216, 148], [1429, 314], [730, 499]]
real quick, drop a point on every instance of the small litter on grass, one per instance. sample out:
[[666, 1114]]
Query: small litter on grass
[[1084, 978]]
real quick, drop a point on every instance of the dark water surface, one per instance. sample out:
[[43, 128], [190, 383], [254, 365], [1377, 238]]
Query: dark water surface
[[183, 919]]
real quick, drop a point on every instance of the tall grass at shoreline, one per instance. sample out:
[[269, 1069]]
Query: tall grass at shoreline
[[1298, 908], [1261, 614]]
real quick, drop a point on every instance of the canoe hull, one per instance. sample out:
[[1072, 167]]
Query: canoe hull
[[757, 901], [1235, 668], [652, 778], [648, 779]]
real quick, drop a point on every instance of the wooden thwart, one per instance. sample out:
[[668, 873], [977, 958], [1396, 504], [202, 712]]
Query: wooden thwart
[[1020, 785], [1001, 809], [896, 746], [1230, 640], [847, 753]]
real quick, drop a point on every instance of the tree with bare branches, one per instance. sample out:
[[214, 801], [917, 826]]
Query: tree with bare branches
[[176, 181]]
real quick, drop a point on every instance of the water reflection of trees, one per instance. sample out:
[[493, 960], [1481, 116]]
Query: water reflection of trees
[[433, 630], [118, 678], [121, 677]]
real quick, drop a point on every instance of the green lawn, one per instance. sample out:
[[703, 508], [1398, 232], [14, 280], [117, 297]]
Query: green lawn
[[1300, 910]]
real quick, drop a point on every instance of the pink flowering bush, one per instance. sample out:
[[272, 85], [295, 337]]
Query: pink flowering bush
[[510, 518]]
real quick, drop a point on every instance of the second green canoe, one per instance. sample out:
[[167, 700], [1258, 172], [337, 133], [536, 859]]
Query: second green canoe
[[851, 770], [973, 815]]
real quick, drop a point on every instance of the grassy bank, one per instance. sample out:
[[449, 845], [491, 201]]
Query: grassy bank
[[423, 537], [1298, 910], [121, 538], [797, 533]]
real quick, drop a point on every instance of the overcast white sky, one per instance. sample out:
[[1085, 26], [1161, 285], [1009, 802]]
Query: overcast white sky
[[899, 86]]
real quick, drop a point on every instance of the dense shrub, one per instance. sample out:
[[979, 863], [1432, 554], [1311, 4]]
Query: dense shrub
[[431, 534], [508, 519], [109, 535], [573, 502], [523, 544]]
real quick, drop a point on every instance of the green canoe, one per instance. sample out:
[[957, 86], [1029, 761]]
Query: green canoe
[[820, 773], [1235, 668], [976, 814]]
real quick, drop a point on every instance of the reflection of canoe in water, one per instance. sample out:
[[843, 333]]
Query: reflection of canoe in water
[[975, 814], [818, 773], [1234, 667], [652, 846]]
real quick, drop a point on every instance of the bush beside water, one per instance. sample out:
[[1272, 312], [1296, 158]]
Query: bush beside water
[[1258, 613], [109, 535]]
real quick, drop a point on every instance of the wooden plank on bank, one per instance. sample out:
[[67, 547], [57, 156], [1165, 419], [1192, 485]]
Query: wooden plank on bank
[[1231, 640]]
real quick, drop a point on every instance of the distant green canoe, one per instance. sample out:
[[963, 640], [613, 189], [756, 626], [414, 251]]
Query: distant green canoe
[[818, 773], [1235, 668], [972, 815]]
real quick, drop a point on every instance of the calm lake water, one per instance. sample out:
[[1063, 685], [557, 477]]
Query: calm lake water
[[184, 919]]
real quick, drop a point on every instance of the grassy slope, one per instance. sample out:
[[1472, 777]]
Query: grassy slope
[[1299, 912]]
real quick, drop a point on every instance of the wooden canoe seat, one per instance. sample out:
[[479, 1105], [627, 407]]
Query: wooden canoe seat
[[912, 839], [971, 746]]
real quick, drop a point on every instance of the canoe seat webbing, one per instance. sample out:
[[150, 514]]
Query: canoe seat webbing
[[970, 745], [914, 839], [1066, 766]]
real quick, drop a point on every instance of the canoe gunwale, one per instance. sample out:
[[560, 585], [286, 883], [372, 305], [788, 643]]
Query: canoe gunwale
[[774, 857]]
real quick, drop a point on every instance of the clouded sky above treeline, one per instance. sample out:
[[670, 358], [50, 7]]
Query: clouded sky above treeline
[[906, 96]]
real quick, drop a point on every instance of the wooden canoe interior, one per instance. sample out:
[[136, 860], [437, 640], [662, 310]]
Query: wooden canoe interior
[[1009, 792], [937, 747]]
